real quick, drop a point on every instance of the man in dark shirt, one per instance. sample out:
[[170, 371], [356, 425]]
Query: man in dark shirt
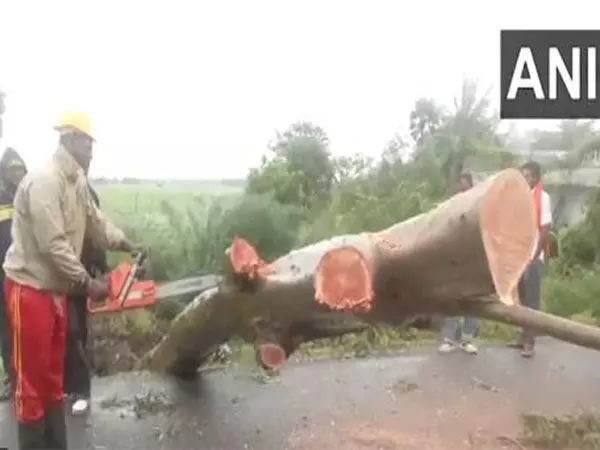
[[12, 171], [77, 381]]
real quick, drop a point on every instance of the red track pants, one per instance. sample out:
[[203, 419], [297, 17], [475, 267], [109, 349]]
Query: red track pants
[[38, 326]]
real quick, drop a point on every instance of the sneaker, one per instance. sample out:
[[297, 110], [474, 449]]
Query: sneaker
[[446, 347], [81, 406], [5, 390], [469, 348], [226, 350], [528, 351], [223, 353]]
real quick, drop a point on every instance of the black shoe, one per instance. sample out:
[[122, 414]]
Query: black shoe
[[56, 428], [31, 436], [517, 345]]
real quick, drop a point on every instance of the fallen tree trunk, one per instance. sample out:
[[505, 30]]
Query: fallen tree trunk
[[477, 243], [224, 311], [452, 260]]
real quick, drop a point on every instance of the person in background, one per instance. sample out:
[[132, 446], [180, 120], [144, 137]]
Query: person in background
[[53, 212], [531, 280], [449, 330], [12, 171], [77, 376]]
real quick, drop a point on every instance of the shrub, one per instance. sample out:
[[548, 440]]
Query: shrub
[[192, 239], [573, 294]]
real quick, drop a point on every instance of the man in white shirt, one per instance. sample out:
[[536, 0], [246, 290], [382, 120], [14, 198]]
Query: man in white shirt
[[530, 283]]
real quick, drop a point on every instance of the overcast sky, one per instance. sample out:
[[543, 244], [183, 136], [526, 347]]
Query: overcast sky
[[197, 88]]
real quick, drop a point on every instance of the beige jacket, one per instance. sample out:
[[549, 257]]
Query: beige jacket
[[53, 211]]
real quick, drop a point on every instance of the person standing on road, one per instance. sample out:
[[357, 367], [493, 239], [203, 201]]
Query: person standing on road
[[77, 376], [53, 212], [531, 281], [465, 182], [12, 171]]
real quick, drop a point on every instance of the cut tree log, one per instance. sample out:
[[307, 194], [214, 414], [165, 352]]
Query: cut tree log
[[465, 256], [476, 243]]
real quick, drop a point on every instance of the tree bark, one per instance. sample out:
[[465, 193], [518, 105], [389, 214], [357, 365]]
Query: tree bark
[[234, 308], [466, 256]]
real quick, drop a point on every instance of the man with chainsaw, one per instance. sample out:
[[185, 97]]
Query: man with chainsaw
[[531, 281], [53, 212], [12, 171], [77, 376]]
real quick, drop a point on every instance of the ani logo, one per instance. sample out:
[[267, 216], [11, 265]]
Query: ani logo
[[549, 74]]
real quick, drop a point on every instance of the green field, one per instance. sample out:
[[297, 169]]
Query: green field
[[147, 205], [122, 198], [168, 217]]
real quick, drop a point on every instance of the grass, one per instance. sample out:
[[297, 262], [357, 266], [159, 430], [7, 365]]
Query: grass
[[161, 215], [580, 432]]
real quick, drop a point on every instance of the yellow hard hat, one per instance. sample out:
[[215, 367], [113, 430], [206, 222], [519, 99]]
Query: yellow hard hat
[[74, 121]]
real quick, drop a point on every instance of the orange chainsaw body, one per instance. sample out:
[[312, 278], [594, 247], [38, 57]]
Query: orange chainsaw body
[[142, 294]]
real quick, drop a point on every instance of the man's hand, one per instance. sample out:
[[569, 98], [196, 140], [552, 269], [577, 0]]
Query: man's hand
[[97, 289], [131, 247]]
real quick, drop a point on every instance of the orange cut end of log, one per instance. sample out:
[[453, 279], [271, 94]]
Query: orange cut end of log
[[343, 281], [270, 356], [509, 234], [245, 261]]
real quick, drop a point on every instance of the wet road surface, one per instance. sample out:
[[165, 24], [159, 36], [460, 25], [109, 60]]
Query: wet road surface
[[421, 400]]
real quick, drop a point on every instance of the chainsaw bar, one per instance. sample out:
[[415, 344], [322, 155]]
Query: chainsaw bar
[[192, 285]]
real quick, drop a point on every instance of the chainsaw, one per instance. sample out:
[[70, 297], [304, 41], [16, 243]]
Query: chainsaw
[[127, 291]]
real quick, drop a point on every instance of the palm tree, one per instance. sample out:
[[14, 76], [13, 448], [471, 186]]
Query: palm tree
[[425, 118], [468, 134]]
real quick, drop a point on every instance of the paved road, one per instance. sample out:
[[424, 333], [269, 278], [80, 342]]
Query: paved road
[[417, 401]]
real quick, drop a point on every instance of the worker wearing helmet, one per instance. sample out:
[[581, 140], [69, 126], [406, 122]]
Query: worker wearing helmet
[[53, 212], [12, 171]]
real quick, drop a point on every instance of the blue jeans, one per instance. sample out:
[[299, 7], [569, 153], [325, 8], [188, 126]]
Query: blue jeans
[[467, 331]]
